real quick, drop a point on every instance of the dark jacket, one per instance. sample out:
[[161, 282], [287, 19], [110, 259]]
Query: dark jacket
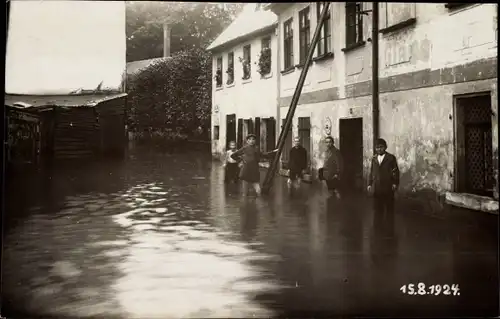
[[333, 164], [298, 159], [384, 175]]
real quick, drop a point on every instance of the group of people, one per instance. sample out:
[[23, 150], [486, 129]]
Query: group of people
[[243, 164]]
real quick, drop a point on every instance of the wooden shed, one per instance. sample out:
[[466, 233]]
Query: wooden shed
[[74, 127]]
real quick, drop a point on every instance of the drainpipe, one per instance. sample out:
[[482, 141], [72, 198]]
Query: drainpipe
[[166, 40], [375, 77], [295, 99]]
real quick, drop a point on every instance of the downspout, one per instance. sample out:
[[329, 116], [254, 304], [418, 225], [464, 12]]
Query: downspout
[[293, 104], [375, 75]]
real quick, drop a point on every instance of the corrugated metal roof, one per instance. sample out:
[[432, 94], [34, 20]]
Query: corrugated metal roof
[[252, 19], [39, 101], [135, 66]]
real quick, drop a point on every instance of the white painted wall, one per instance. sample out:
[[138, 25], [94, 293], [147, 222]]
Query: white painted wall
[[55, 47], [255, 97]]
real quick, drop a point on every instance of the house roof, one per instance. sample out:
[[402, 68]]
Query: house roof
[[135, 66], [30, 102], [253, 19]]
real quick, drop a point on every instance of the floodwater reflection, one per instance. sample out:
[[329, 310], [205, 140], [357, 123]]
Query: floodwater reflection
[[160, 236]]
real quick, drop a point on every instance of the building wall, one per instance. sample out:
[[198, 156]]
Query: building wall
[[422, 67], [55, 47], [248, 99]]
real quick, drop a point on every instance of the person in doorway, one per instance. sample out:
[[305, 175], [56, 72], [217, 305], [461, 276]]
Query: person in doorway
[[297, 163], [231, 166], [250, 155], [332, 167], [384, 178]]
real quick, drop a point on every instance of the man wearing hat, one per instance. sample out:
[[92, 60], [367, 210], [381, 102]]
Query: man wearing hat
[[384, 178], [250, 155]]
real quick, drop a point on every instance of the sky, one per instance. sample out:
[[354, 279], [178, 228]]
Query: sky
[[55, 47]]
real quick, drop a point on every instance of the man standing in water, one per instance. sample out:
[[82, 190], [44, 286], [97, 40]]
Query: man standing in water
[[332, 167], [297, 163], [384, 178]]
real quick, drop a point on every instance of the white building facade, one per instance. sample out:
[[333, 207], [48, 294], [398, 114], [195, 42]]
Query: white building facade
[[245, 73]]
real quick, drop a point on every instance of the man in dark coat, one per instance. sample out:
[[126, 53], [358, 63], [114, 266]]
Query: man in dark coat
[[384, 178], [332, 167], [297, 163]]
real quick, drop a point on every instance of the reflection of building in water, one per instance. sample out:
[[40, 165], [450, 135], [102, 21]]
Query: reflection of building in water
[[68, 74], [438, 91]]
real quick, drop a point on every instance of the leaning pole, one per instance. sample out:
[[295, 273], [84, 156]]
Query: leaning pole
[[293, 104]]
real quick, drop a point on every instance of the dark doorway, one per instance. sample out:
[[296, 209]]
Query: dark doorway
[[474, 155], [230, 129], [288, 145], [270, 134], [351, 148]]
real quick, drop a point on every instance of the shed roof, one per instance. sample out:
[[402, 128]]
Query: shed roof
[[135, 66], [29, 102], [251, 20]]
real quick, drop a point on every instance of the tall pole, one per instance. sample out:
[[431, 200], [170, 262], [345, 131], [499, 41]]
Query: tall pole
[[375, 87], [293, 104]]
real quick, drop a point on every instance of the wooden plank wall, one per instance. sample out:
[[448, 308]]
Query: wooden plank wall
[[76, 133], [112, 119]]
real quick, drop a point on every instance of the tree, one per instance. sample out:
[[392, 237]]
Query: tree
[[193, 25]]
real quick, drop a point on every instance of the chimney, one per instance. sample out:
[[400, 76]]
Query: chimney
[[166, 40]]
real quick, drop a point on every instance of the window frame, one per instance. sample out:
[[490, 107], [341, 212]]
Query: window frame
[[325, 38], [304, 33], [216, 135], [265, 43], [288, 44], [353, 30], [219, 68]]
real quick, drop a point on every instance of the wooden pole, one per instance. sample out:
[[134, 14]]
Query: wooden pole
[[293, 104]]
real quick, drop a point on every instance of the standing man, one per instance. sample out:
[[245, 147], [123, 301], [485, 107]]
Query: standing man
[[297, 163], [384, 178], [332, 167]]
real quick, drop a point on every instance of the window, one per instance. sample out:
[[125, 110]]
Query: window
[[325, 36], [354, 23], [304, 33], [218, 72], [265, 57], [247, 60], [230, 68], [216, 132], [288, 43]]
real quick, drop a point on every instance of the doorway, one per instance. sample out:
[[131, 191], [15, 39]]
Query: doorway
[[351, 148], [230, 129], [474, 156]]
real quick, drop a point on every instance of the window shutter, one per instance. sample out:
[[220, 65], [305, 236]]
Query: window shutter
[[271, 134], [240, 133]]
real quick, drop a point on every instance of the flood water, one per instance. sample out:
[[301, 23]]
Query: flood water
[[159, 236]]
